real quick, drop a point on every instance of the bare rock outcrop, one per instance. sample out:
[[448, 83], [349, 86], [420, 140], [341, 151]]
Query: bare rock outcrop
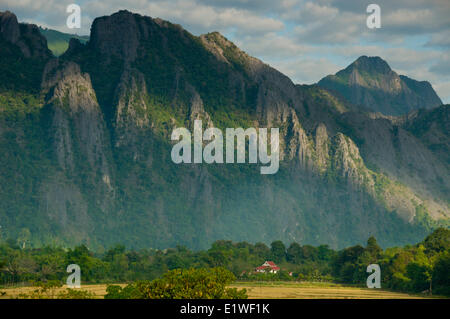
[[26, 36]]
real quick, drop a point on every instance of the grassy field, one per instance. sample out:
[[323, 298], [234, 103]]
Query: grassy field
[[98, 290], [305, 290], [268, 290]]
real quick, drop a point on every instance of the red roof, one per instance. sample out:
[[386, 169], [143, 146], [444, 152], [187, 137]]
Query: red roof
[[268, 265]]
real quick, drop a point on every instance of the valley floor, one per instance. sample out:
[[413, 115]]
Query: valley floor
[[290, 290], [267, 290]]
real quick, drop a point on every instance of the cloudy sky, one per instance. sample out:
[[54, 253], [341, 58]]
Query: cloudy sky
[[304, 39]]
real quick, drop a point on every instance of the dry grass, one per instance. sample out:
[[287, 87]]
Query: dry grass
[[98, 290], [267, 290], [291, 290]]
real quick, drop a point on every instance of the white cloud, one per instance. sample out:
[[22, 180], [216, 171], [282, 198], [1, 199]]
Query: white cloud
[[272, 45], [305, 39], [306, 70], [440, 39], [194, 16]]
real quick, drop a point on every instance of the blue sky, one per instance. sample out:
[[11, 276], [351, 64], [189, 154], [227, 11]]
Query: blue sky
[[306, 40]]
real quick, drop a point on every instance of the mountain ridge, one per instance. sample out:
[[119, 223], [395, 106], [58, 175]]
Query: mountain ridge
[[371, 83], [105, 172]]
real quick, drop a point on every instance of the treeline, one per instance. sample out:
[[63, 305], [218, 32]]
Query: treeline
[[413, 268]]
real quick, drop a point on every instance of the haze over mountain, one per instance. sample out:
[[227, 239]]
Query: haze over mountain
[[85, 143], [371, 83]]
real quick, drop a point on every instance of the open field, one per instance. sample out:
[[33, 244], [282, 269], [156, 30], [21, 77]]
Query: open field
[[292, 290], [99, 290], [268, 290]]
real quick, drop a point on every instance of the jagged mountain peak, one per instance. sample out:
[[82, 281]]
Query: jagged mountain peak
[[370, 83], [370, 64], [23, 35], [123, 33], [117, 34], [9, 26]]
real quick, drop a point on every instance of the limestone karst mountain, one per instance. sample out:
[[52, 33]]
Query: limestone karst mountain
[[85, 141], [372, 84]]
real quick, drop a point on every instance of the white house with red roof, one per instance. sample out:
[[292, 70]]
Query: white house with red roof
[[268, 266]]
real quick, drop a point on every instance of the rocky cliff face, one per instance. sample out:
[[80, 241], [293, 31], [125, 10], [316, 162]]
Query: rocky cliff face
[[77, 125], [370, 83], [26, 36], [99, 168], [431, 127]]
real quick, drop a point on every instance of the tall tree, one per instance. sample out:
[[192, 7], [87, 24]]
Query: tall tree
[[278, 251]]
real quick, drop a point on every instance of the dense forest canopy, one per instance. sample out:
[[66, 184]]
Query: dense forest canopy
[[413, 268]]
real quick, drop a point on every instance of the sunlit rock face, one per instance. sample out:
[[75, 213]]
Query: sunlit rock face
[[370, 83]]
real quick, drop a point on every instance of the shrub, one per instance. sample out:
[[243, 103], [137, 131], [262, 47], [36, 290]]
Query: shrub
[[182, 284]]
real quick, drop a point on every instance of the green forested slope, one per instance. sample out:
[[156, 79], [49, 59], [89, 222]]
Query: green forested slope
[[86, 144]]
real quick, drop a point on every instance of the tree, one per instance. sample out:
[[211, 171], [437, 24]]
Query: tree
[[175, 261], [182, 284], [310, 253], [18, 264], [116, 250], [91, 268], [119, 266], [325, 253], [294, 253], [438, 241], [345, 263], [278, 251], [441, 274], [219, 258], [261, 250], [420, 275], [373, 249]]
